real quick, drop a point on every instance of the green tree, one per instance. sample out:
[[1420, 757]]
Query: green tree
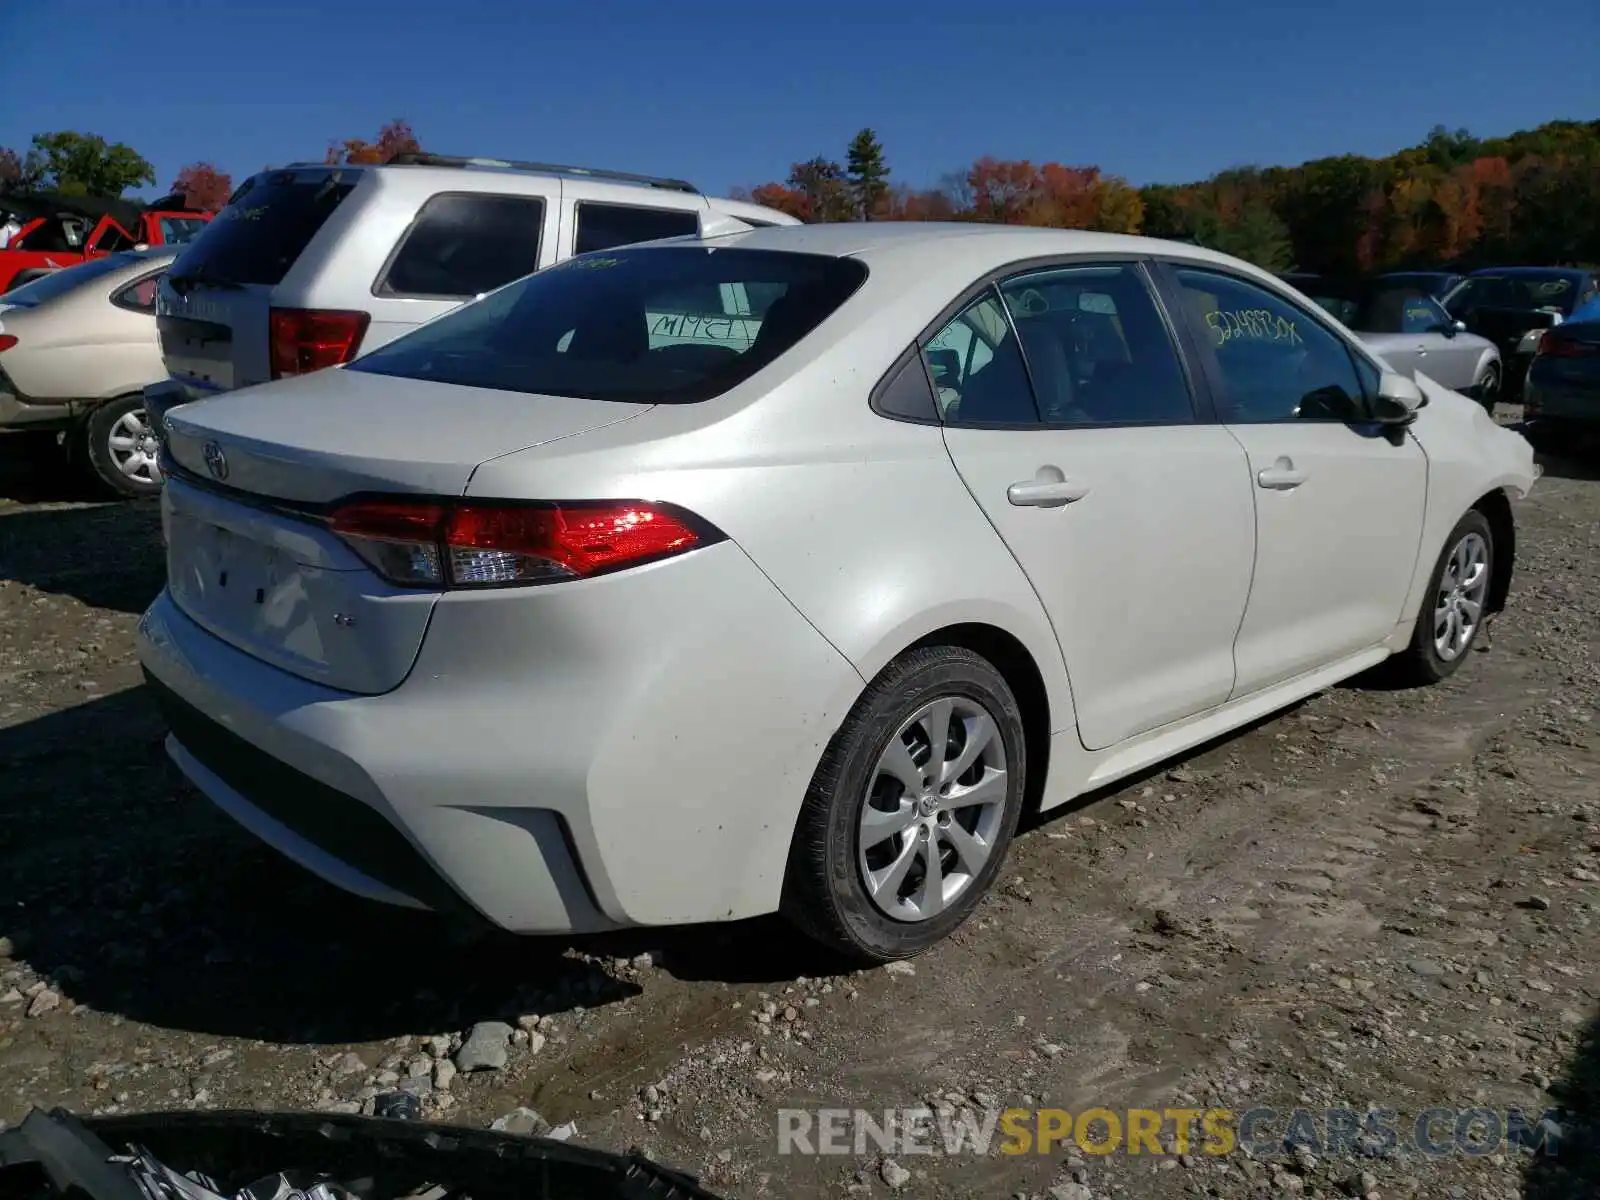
[[867, 173], [1254, 234], [84, 164]]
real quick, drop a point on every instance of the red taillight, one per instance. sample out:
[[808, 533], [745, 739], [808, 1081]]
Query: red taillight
[[308, 339], [7, 341], [1556, 344], [475, 544]]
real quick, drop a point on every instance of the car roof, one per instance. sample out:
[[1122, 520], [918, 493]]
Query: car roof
[[970, 247], [1564, 272]]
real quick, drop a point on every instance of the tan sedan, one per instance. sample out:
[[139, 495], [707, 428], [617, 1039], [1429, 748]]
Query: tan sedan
[[76, 349]]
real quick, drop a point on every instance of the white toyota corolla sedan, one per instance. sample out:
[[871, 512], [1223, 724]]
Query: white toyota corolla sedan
[[783, 569]]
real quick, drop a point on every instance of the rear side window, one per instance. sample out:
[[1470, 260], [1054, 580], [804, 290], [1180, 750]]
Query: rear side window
[[658, 325], [139, 296], [258, 237], [602, 226], [466, 243]]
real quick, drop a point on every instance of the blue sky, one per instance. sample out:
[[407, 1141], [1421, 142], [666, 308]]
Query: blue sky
[[731, 93]]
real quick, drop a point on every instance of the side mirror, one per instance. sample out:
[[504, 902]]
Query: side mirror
[[1398, 400]]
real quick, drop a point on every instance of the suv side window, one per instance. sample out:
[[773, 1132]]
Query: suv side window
[[977, 368], [466, 243], [602, 226], [1273, 360], [1097, 348]]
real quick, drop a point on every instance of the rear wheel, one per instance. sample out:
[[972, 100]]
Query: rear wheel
[[121, 448], [912, 808], [1455, 606]]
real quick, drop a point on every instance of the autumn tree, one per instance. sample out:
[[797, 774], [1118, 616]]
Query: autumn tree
[[85, 164], [18, 173], [825, 187], [394, 138], [1253, 232], [203, 187], [867, 173]]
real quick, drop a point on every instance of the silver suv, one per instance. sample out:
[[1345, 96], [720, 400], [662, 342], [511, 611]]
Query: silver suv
[[311, 263]]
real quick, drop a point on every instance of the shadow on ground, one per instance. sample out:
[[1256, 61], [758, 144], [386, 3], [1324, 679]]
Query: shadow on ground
[[1572, 1171], [35, 470], [106, 555], [140, 899]]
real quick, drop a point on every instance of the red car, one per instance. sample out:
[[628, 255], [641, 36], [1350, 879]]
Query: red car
[[62, 231]]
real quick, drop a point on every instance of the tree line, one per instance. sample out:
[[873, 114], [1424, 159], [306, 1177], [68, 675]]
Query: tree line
[[1452, 200], [85, 164]]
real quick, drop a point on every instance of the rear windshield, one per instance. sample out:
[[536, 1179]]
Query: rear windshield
[[1525, 289], [262, 231], [59, 283], [669, 324]]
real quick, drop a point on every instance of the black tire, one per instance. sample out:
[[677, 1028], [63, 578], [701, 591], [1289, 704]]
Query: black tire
[[101, 456], [1421, 663], [824, 893]]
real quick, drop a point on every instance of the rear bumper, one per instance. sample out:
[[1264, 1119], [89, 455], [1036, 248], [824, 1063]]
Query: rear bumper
[[1557, 400], [626, 751]]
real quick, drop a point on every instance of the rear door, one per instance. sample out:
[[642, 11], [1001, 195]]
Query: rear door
[[212, 308], [1129, 509]]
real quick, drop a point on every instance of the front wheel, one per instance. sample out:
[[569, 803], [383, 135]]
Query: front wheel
[[122, 448], [912, 808], [1455, 606]]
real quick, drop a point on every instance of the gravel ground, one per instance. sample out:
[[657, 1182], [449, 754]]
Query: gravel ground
[[1379, 898]]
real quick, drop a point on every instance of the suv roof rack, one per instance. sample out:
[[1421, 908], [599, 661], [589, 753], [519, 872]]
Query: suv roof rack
[[424, 159]]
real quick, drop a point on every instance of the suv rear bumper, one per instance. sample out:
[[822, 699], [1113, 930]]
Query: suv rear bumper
[[564, 763]]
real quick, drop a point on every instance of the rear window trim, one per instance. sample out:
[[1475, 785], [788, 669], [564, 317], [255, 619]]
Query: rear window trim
[[379, 289]]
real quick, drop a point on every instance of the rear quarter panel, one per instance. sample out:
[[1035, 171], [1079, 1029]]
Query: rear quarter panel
[[83, 347]]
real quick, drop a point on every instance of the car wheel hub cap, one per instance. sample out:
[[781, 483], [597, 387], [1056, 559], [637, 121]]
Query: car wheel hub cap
[[934, 809], [133, 447], [1459, 598]]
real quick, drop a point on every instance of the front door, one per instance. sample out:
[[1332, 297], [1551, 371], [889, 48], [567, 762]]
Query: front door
[[1131, 517], [1339, 501]]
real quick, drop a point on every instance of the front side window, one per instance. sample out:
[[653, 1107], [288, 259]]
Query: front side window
[[1400, 308], [1273, 360], [602, 226], [977, 369], [464, 244], [623, 325], [1097, 349]]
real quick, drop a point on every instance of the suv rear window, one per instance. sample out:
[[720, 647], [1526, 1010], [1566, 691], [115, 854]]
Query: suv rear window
[[260, 234], [659, 325]]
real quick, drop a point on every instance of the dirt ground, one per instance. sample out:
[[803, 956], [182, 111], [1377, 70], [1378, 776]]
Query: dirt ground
[[1379, 899]]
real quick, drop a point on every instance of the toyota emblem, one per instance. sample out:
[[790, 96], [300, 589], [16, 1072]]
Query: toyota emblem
[[216, 461]]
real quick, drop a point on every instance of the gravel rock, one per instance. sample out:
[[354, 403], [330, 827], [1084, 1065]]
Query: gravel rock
[[521, 1120], [44, 1001], [893, 1174], [486, 1048], [899, 967]]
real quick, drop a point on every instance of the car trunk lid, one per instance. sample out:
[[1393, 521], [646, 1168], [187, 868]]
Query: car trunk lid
[[249, 554]]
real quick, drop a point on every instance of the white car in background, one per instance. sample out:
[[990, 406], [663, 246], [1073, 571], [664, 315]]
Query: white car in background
[[591, 604]]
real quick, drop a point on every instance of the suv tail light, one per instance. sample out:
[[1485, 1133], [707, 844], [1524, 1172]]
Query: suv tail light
[[476, 544], [1555, 344], [308, 339]]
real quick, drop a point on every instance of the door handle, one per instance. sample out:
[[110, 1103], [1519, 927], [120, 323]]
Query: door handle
[[1281, 476], [1046, 493]]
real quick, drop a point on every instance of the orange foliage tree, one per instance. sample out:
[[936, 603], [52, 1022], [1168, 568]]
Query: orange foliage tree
[[203, 187], [394, 138]]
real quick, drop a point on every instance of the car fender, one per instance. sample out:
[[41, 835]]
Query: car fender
[[1469, 456]]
